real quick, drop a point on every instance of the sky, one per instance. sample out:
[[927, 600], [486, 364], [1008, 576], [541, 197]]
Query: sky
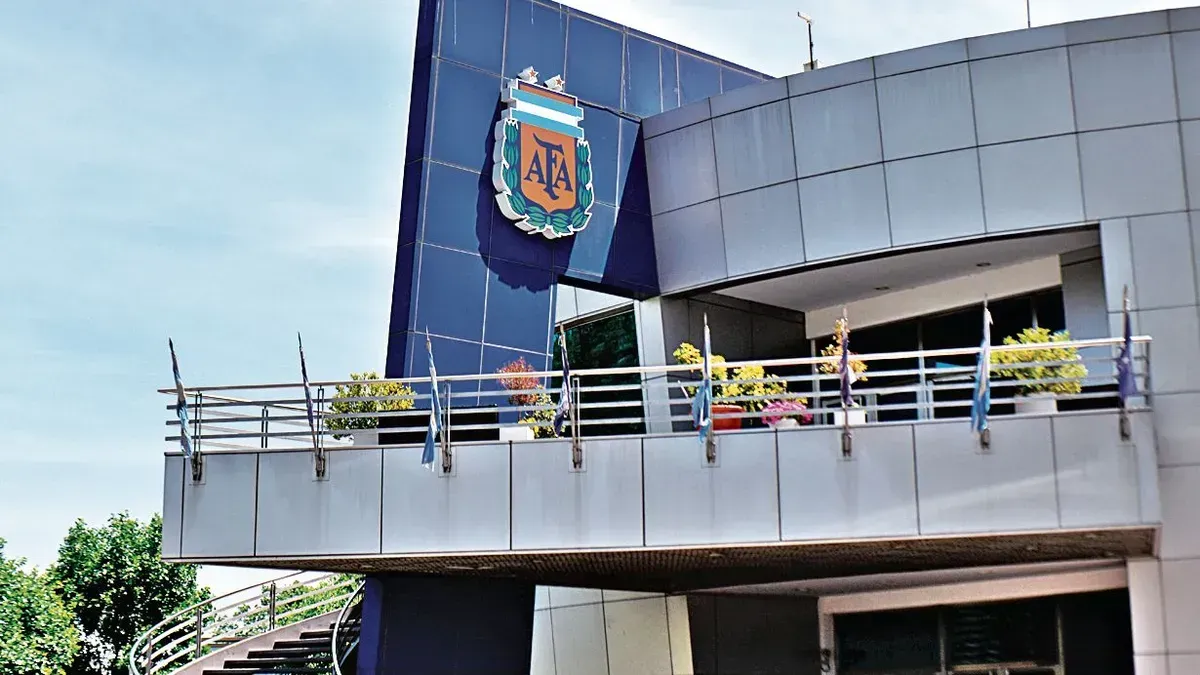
[[228, 173]]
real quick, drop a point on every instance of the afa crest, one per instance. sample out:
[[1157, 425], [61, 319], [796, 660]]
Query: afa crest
[[543, 169]]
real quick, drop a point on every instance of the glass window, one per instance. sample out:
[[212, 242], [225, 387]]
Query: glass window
[[458, 213], [643, 83], [698, 79], [606, 343], [594, 61], [537, 36], [889, 642], [633, 260], [633, 184], [473, 33], [1007, 632], [468, 105], [602, 130], [593, 246], [735, 79], [670, 79], [450, 291], [518, 306]]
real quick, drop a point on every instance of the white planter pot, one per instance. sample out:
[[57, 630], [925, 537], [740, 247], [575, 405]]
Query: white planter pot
[[787, 423], [1036, 404], [858, 417], [516, 433], [366, 437]]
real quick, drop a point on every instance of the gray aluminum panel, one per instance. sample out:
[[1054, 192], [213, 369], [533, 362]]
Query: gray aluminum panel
[[555, 507], [1175, 354], [926, 111], [1031, 184], [1132, 171], [754, 147], [425, 512], [688, 502], [682, 167], [299, 515], [1096, 486], [1162, 261], [844, 213], [934, 198], [172, 512], [762, 229], [1123, 83], [1011, 488], [218, 514], [823, 496], [920, 58], [836, 129], [1186, 57], [1022, 96], [696, 253]]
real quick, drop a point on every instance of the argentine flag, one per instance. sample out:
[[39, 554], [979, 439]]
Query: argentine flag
[[845, 370], [563, 413], [435, 412], [181, 406], [702, 402], [1126, 383], [981, 398]]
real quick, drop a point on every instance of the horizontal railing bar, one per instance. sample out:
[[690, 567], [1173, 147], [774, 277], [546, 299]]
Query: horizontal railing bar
[[648, 370]]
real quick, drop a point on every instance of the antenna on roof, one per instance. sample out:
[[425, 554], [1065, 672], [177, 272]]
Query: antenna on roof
[[1028, 16], [812, 62]]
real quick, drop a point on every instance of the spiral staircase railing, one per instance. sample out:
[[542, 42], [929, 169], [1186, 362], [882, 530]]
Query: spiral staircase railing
[[216, 623], [346, 630]]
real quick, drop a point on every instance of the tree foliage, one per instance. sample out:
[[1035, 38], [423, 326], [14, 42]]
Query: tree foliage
[[36, 633], [750, 380], [399, 397], [115, 580], [1069, 368]]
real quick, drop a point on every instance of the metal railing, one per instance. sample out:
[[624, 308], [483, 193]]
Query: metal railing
[[347, 629], [213, 624], [899, 386]]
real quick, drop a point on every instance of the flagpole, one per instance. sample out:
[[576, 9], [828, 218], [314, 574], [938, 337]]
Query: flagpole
[[847, 437], [1124, 369]]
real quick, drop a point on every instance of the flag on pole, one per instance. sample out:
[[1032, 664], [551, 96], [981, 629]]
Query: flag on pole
[[563, 413], [308, 402], [702, 402], [981, 397], [435, 411], [845, 370], [1126, 382], [181, 406]]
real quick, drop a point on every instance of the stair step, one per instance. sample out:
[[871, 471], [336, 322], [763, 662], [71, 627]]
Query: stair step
[[287, 652], [317, 635], [269, 671], [310, 642], [269, 664]]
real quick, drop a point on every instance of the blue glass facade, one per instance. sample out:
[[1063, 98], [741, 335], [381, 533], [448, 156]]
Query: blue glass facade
[[483, 288]]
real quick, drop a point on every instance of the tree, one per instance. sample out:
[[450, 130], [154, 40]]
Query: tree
[[398, 397], [36, 634], [115, 580]]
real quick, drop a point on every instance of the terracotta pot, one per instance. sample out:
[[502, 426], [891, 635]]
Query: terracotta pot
[[726, 423]]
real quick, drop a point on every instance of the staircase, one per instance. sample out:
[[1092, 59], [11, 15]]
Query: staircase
[[308, 655]]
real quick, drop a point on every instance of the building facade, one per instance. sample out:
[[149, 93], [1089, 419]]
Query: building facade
[[1052, 172]]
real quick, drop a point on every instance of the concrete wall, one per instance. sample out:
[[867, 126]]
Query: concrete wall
[[987, 136]]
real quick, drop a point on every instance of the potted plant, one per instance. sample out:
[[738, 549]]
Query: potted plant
[[363, 429], [787, 413], [831, 366], [533, 404], [1034, 395], [749, 380]]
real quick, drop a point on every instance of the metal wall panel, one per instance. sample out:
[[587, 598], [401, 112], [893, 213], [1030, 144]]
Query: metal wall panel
[[696, 254], [468, 511], [935, 197], [762, 229], [754, 147], [844, 213], [689, 502], [555, 507], [172, 510], [1185, 49], [1008, 489], [1132, 171], [1022, 96], [1123, 82], [1097, 476], [1162, 261], [218, 514], [925, 112], [823, 496], [682, 167], [1031, 183], [299, 515], [836, 129], [1175, 357], [920, 58]]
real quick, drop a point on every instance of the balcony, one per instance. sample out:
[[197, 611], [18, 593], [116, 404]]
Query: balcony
[[907, 487]]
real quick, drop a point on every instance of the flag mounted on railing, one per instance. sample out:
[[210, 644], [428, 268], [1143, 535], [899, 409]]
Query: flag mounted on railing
[[702, 402], [181, 405], [981, 397], [563, 413], [308, 402], [435, 411], [1126, 382], [845, 370]]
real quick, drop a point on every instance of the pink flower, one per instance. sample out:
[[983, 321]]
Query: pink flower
[[777, 411]]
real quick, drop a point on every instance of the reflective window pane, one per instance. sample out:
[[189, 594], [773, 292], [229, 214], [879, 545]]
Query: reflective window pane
[[537, 36], [643, 86], [594, 62], [473, 33], [518, 306], [670, 79], [698, 79], [602, 130], [468, 104], [452, 218], [450, 292], [735, 79]]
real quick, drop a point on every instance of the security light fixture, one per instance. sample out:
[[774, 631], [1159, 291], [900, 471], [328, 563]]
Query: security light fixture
[[812, 62]]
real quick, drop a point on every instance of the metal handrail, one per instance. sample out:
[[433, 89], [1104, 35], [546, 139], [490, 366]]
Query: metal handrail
[[196, 630], [340, 649], [655, 396]]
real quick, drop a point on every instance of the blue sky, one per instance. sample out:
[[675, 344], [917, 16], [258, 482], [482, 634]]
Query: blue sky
[[228, 173]]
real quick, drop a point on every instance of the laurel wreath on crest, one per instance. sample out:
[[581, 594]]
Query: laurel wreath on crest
[[560, 223]]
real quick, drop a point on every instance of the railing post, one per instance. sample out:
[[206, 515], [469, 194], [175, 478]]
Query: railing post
[[199, 631], [319, 441], [197, 455], [272, 595], [264, 427], [447, 459]]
